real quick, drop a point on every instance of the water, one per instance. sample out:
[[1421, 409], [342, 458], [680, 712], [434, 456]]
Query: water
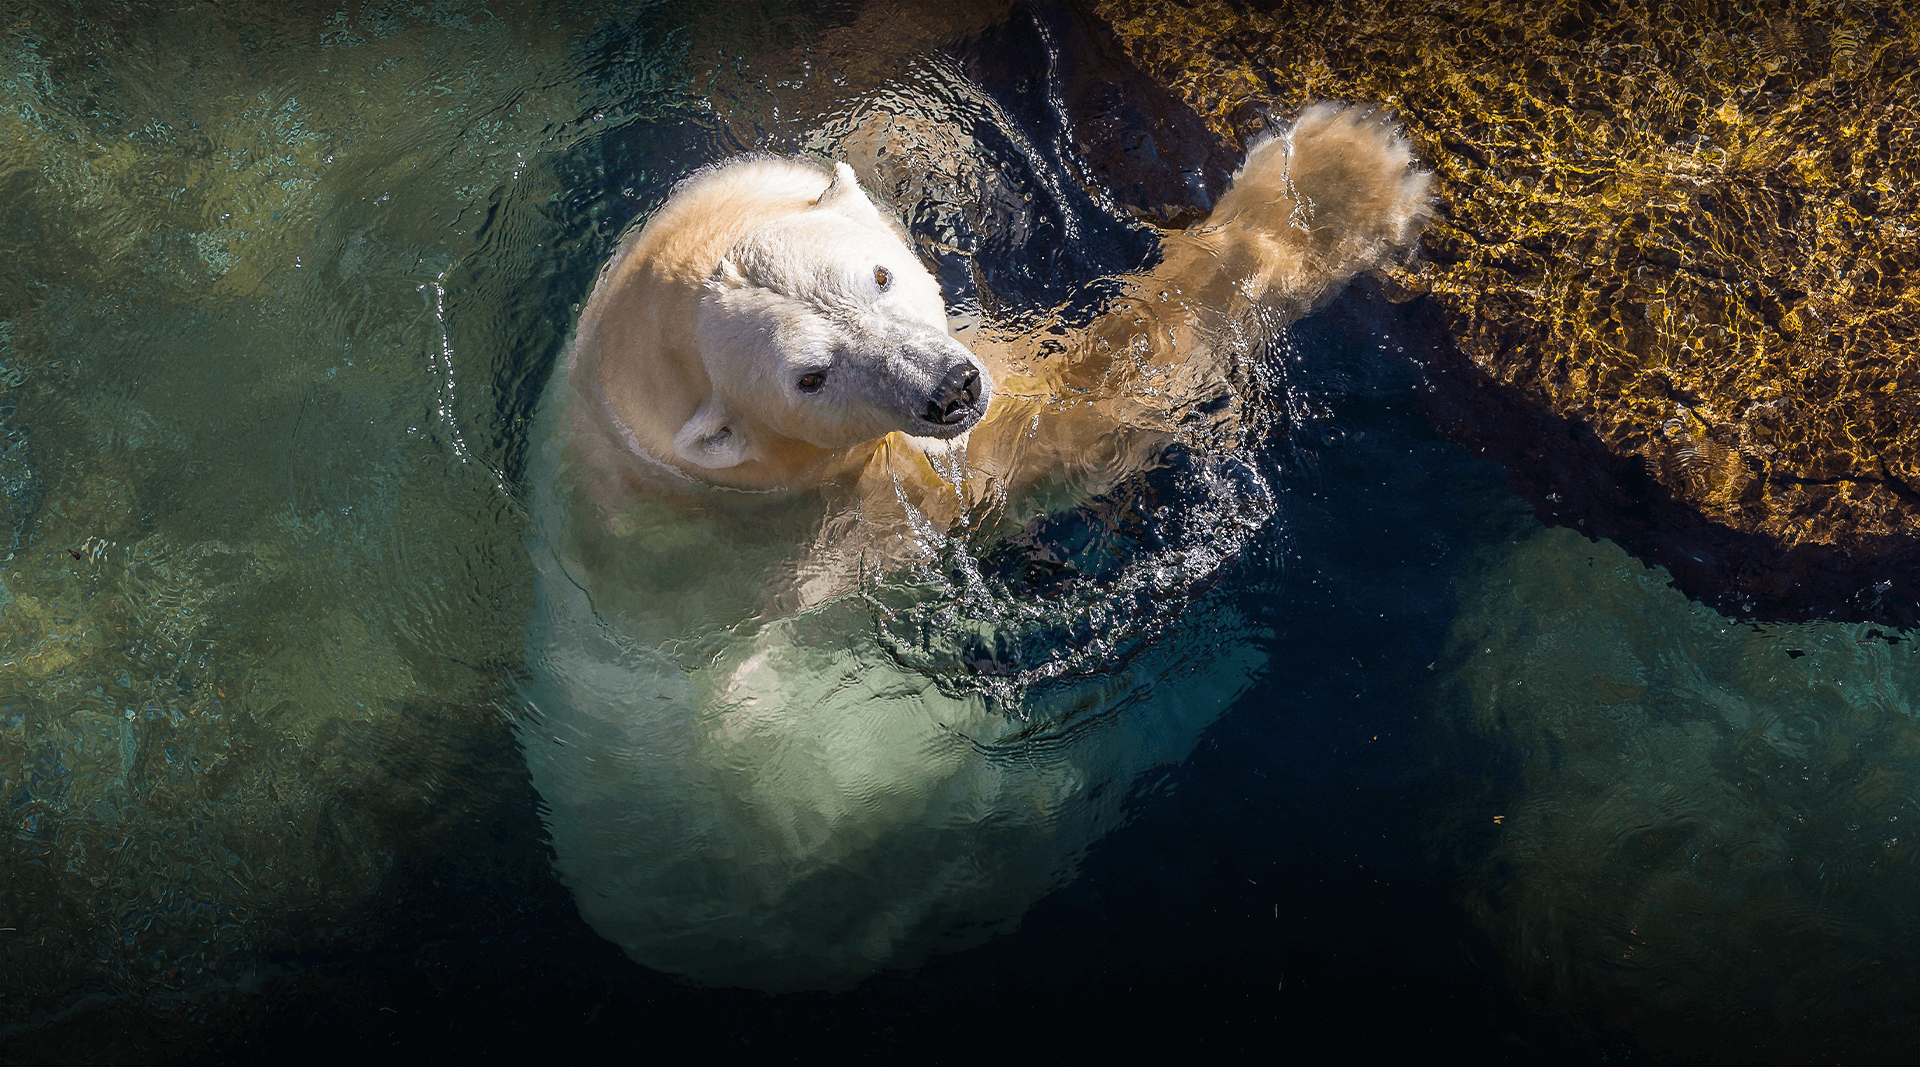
[[279, 295]]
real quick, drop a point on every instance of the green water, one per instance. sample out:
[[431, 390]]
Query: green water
[[1715, 824], [261, 290]]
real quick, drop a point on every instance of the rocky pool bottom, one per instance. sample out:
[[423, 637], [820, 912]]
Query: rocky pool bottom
[[1670, 254]]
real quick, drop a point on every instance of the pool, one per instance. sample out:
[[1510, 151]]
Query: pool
[[281, 293]]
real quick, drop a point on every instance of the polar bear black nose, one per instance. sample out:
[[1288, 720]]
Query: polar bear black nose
[[954, 399]]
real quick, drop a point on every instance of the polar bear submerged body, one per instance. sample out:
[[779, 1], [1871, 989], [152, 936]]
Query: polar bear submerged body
[[745, 781]]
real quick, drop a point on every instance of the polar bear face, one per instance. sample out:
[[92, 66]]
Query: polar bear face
[[822, 326]]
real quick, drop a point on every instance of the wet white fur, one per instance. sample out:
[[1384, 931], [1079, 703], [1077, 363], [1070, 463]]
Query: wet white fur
[[754, 795]]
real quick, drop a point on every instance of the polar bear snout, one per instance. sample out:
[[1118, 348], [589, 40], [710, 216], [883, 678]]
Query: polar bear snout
[[953, 393], [954, 401]]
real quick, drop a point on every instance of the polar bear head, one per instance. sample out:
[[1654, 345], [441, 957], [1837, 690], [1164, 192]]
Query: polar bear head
[[822, 326]]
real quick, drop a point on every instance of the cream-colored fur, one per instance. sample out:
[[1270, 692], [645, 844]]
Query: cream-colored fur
[[1334, 195]]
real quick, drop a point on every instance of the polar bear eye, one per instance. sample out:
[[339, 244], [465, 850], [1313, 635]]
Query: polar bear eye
[[882, 277], [811, 381]]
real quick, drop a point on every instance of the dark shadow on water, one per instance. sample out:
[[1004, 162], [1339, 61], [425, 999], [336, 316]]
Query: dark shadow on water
[[1573, 478]]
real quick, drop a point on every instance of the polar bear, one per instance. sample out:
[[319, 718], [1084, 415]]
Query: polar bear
[[768, 329], [748, 779]]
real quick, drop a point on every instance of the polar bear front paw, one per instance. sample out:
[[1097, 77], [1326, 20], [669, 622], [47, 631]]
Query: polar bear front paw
[[1352, 174], [1334, 194]]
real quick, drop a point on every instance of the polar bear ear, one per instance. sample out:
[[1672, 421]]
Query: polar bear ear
[[710, 440], [846, 197]]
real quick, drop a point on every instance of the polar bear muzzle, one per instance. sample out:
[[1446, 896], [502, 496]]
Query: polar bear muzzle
[[941, 389], [925, 384]]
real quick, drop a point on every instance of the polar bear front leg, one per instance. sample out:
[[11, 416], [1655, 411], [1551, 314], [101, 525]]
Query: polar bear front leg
[[1333, 195]]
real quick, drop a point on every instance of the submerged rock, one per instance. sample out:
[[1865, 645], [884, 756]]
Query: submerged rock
[[1670, 257]]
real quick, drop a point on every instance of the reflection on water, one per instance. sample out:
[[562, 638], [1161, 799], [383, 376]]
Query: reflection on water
[[278, 293]]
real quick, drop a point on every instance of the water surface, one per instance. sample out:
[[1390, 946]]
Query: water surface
[[277, 297]]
